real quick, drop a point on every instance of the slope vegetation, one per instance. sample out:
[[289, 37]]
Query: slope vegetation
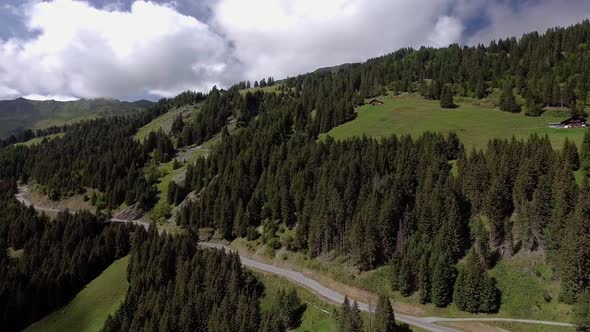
[[475, 122], [24, 114], [88, 311]]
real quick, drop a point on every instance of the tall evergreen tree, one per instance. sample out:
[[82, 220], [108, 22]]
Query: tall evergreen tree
[[575, 253], [384, 316], [507, 99], [443, 279], [446, 98], [474, 290]]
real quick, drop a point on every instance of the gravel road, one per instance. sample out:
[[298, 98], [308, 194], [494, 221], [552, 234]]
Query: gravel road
[[427, 323]]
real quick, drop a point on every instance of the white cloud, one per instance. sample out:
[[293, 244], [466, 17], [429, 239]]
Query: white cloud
[[49, 97], [284, 37], [447, 30], [83, 51], [77, 50]]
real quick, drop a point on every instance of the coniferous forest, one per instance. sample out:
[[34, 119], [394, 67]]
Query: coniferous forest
[[174, 286], [45, 263], [439, 215]]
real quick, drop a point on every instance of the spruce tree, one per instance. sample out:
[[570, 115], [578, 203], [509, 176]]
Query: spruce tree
[[570, 155], [349, 317], [474, 290], [533, 107], [443, 279], [446, 98], [384, 316], [424, 280], [574, 259], [507, 99]]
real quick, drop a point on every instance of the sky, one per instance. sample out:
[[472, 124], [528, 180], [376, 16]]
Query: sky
[[127, 49]]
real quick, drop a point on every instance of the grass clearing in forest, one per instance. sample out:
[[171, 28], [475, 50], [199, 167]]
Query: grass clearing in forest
[[504, 326], [164, 121], [88, 311], [318, 314], [474, 121], [524, 280], [529, 289], [273, 88], [167, 173], [39, 140]]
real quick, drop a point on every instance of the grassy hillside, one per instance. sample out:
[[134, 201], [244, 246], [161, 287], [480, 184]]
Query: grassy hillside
[[164, 121], [317, 316], [24, 114], [527, 285], [474, 121], [88, 311], [38, 140], [273, 88]]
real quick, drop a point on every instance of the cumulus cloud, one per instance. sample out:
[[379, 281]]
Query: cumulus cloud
[[283, 37], [446, 31], [123, 48], [83, 51]]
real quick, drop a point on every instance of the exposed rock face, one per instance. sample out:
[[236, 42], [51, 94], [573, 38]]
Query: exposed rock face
[[132, 212]]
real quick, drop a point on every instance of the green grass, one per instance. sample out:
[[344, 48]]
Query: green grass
[[88, 311], [522, 327], [274, 88], [474, 121], [524, 281], [38, 140], [319, 314], [529, 289], [167, 174], [315, 318], [163, 122]]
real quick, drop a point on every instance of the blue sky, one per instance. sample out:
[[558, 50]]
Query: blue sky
[[130, 49]]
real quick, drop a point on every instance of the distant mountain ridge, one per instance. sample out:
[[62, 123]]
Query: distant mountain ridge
[[24, 113]]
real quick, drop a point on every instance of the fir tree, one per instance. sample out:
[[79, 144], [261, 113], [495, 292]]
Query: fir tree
[[384, 316], [533, 107], [575, 253], [443, 279], [446, 98], [474, 291], [424, 280], [507, 99]]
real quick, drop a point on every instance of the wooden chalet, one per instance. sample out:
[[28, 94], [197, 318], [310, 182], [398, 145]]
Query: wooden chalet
[[572, 122]]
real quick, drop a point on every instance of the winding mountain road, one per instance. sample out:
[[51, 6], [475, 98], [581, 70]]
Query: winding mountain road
[[427, 323], [22, 190]]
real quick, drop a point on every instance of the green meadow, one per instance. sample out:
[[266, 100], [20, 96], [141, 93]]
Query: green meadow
[[318, 314], [163, 122], [88, 311], [39, 140], [474, 121]]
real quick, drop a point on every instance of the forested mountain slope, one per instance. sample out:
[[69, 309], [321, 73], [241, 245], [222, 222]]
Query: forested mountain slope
[[391, 202], [21, 114]]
